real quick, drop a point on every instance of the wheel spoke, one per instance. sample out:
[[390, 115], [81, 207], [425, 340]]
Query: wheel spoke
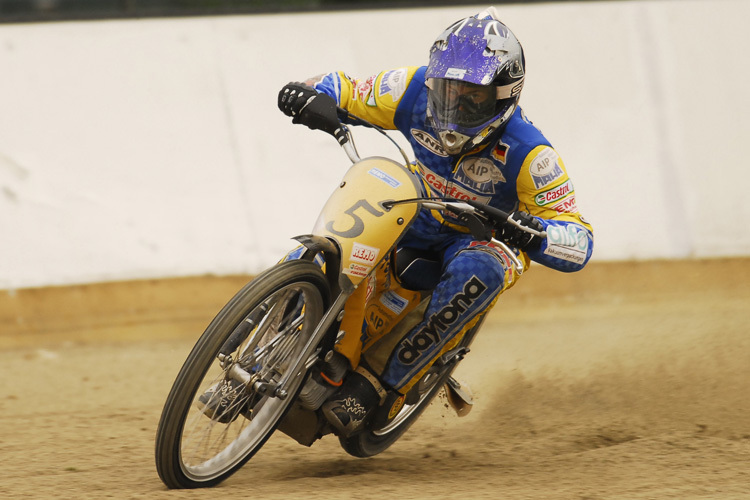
[[209, 444], [213, 422]]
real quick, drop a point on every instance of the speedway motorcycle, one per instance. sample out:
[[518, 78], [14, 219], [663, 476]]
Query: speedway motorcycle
[[290, 336]]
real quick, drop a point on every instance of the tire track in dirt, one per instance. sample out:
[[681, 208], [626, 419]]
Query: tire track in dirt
[[596, 387]]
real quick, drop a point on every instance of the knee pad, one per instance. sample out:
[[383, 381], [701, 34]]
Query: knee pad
[[479, 263]]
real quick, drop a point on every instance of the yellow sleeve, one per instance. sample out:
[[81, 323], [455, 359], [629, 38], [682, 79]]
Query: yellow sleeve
[[545, 190], [376, 98]]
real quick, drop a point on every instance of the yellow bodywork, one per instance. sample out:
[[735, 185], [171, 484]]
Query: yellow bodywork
[[366, 231]]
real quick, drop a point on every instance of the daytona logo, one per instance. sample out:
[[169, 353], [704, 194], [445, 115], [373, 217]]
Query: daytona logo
[[410, 349], [554, 194]]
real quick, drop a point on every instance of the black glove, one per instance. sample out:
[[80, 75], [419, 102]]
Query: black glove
[[519, 238], [308, 107], [293, 98]]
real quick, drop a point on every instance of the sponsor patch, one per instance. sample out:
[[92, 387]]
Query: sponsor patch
[[384, 177], [397, 405], [357, 270], [393, 83], [429, 142], [480, 174], [544, 168], [455, 73], [498, 252], [440, 185], [364, 89], [371, 287], [394, 301], [567, 205], [375, 322], [500, 151], [567, 243], [364, 254], [555, 194]]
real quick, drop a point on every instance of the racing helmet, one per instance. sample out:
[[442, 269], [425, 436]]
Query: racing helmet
[[474, 80]]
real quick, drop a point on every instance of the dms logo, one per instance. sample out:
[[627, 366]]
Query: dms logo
[[428, 142], [410, 349]]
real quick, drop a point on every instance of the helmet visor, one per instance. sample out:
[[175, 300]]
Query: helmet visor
[[461, 103]]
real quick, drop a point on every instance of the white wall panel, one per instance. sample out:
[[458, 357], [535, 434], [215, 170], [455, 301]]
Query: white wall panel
[[136, 149]]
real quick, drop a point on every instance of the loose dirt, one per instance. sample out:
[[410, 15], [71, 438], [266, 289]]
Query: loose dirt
[[624, 381]]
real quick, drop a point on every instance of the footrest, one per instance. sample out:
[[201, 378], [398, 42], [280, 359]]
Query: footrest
[[459, 397]]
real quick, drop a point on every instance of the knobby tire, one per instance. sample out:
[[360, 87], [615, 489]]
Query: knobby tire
[[299, 292]]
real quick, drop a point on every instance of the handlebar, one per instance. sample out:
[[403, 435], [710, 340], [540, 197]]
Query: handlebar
[[476, 215], [348, 145], [480, 218], [346, 140]]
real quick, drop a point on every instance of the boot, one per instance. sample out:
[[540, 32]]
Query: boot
[[353, 403]]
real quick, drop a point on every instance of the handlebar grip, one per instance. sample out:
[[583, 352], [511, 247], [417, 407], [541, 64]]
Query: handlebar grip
[[320, 113], [340, 134]]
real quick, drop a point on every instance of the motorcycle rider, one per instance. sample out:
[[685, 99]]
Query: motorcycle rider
[[471, 140]]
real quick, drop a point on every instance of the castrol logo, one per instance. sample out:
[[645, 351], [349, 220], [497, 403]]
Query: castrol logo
[[554, 194]]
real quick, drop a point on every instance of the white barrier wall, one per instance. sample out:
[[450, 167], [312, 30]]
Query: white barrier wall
[[138, 149]]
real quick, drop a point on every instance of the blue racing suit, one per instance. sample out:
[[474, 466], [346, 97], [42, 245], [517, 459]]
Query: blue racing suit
[[517, 170]]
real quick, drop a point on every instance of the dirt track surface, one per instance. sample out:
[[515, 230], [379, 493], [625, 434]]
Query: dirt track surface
[[624, 383]]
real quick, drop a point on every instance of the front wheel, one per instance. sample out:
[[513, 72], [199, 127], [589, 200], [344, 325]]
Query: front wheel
[[222, 407]]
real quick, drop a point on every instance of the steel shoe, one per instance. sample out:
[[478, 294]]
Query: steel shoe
[[352, 404]]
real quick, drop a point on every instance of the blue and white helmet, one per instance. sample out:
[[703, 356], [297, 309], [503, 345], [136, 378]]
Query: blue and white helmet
[[474, 79]]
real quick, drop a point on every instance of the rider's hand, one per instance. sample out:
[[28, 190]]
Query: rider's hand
[[519, 238], [294, 97], [308, 107]]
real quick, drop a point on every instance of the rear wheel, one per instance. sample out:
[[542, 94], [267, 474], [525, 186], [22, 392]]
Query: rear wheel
[[374, 441], [377, 438], [207, 432]]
